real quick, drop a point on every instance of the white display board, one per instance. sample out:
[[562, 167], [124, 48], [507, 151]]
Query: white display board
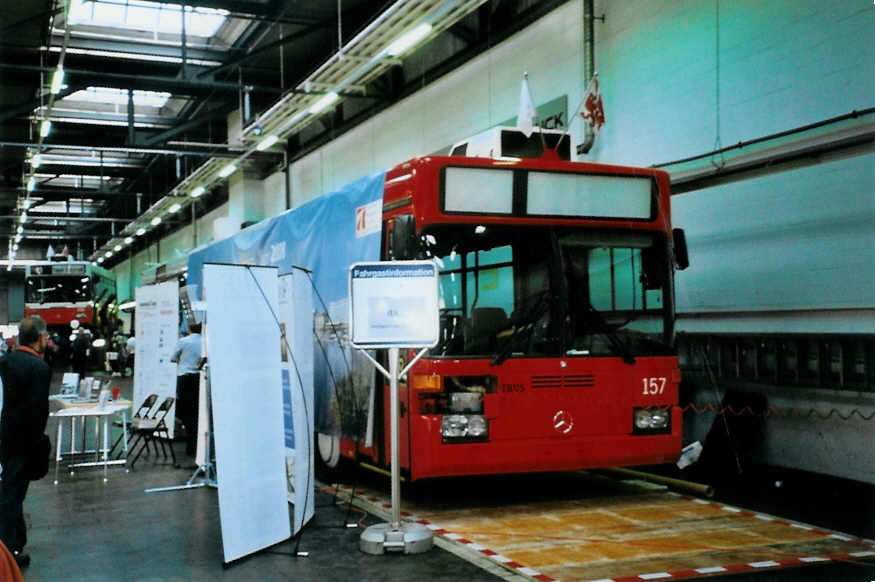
[[243, 341], [157, 332], [393, 304], [296, 316]]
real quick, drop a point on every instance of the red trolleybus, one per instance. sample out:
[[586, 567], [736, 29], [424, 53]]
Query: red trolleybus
[[556, 331], [63, 291]]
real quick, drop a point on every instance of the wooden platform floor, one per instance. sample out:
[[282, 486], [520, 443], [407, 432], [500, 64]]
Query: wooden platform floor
[[623, 532]]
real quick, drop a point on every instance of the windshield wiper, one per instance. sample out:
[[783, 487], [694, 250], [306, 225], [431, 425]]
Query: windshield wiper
[[620, 348], [526, 322]]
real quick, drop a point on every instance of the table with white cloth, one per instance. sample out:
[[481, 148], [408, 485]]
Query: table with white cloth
[[79, 411]]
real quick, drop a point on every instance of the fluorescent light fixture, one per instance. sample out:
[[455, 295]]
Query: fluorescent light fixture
[[408, 39], [197, 191], [117, 248], [129, 240], [141, 231], [18, 238], [127, 305], [175, 208], [36, 160], [324, 102], [84, 280], [15, 248], [228, 170], [45, 128], [108, 254], [134, 56], [9, 268], [99, 260], [156, 221], [19, 230], [267, 142], [31, 184], [57, 80], [23, 218]]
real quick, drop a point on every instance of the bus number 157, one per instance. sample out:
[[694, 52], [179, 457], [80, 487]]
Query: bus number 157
[[653, 385]]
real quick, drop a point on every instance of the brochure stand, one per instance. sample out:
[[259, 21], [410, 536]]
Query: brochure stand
[[394, 305], [407, 537]]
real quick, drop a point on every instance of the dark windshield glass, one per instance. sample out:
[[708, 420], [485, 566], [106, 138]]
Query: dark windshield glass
[[514, 291], [58, 289]]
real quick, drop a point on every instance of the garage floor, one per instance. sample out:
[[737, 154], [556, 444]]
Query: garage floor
[[568, 527]]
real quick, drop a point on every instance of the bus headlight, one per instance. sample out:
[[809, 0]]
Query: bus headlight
[[454, 426], [652, 420], [477, 426], [457, 427]]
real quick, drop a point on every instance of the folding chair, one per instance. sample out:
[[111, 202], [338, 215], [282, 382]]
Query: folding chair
[[153, 430], [142, 412]]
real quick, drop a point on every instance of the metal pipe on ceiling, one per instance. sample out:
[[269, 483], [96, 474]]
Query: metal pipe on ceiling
[[36, 217], [125, 149]]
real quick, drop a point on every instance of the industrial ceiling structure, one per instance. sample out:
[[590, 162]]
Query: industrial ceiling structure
[[113, 113]]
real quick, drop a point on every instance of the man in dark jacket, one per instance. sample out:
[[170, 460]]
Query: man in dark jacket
[[26, 379]]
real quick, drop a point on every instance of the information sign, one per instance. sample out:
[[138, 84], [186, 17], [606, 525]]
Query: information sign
[[393, 304]]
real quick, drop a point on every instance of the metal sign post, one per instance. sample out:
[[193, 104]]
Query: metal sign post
[[394, 305]]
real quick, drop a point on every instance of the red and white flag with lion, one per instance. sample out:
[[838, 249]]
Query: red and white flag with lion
[[592, 110]]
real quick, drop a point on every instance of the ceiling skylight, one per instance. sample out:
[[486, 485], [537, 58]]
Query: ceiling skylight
[[147, 16], [120, 96]]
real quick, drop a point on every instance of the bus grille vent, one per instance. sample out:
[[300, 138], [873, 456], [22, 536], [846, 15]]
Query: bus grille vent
[[576, 381]]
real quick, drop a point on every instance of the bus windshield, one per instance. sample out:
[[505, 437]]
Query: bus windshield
[[536, 292], [58, 289]]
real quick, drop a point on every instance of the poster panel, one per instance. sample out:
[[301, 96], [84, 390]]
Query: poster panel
[[245, 384], [324, 236], [157, 332], [296, 316]]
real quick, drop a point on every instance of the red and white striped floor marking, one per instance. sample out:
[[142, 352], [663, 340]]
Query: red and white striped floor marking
[[381, 501]]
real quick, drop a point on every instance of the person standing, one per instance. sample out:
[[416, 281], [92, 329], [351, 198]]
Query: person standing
[[130, 348], [187, 354], [26, 379], [81, 347]]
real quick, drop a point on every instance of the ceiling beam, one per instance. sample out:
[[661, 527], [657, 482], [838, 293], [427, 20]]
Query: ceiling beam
[[174, 85]]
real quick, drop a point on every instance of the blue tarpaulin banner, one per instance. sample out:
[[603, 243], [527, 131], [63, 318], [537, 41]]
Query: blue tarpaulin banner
[[324, 236]]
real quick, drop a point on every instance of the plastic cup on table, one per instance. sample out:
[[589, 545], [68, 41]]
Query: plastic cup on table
[[115, 392]]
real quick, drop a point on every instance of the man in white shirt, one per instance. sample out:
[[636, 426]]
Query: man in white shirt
[[187, 355], [130, 347]]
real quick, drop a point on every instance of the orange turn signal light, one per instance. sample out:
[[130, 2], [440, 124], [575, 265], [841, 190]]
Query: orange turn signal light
[[426, 382]]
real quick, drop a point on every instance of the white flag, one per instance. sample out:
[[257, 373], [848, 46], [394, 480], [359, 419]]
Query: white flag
[[50, 252], [525, 119]]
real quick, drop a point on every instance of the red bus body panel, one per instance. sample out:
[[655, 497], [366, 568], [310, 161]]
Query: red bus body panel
[[584, 419], [54, 316]]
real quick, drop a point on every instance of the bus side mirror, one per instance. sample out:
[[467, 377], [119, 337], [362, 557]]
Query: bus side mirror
[[402, 238], [681, 257]]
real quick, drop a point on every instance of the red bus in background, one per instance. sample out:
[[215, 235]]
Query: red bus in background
[[556, 343], [63, 291]]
